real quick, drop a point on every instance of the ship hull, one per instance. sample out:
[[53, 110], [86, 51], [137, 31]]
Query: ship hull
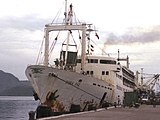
[[68, 87]]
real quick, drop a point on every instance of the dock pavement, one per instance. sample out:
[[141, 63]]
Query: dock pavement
[[144, 112]]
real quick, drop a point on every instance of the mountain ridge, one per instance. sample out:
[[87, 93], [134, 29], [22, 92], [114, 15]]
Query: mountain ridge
[[10, 85]]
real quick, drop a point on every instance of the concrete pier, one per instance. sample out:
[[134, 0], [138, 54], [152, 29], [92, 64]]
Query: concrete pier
[[144, 112]]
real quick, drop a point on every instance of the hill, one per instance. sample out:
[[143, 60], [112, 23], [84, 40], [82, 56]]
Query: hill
[[12, 86]]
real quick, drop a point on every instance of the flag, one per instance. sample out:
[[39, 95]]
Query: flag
[[96, 35], [92, 46], [92, 50]]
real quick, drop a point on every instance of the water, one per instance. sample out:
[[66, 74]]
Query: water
[[16, 108]]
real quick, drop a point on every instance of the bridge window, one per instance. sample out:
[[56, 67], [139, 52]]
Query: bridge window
[[92, 60], [107, 62]]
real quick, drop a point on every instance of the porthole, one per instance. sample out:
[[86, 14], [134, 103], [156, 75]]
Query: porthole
[[80, 80], [94, 83]]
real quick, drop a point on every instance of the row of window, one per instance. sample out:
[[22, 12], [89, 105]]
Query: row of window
[[103, 72], [100, 61], [125, 73], [127, 83], [102, 86], [90, 72]]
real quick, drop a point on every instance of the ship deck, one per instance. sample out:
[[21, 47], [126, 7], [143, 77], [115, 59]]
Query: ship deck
[[144, 112]]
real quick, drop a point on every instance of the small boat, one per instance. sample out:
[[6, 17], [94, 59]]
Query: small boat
[[77, 80]]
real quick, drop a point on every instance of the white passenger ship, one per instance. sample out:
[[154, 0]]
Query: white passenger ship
[[77, 77]]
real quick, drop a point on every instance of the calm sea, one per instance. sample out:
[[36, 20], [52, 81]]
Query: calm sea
[[16, 108]]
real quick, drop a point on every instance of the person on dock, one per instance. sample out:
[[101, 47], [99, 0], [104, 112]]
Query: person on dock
[[154, 102], [119, 101]]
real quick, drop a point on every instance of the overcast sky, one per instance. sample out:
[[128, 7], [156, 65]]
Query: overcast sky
[[133, 26]]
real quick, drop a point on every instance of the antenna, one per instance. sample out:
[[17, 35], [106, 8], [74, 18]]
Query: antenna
[[65, 13], [141, 77]]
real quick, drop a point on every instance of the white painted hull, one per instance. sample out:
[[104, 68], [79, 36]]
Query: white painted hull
[[72, 87]]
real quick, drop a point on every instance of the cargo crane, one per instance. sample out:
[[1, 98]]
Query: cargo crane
[[158, 89], [144, 92], [149, 84], [147, 88]]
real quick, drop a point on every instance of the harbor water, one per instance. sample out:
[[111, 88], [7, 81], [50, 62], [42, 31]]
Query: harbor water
[[16, 108]]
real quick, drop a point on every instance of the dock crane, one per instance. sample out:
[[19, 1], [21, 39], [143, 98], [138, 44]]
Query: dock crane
[[147, 87], [149, 84]]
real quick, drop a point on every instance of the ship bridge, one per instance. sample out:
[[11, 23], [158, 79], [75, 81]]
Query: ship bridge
[[99, 66]]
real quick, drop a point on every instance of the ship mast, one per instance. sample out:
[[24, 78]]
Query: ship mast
[[67, 26], [123, 59], [83, 53], [65, 13], [68, 20], [46, 49]]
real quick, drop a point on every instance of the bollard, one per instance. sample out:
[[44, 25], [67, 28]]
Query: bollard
[[31, 115], [115, 104]]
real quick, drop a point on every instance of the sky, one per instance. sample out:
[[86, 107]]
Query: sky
[[132, 26]]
